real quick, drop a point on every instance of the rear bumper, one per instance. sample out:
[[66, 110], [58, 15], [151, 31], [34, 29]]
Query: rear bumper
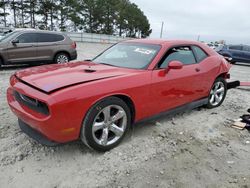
[[73, 56], [231, 85], [237, 83], [36, 135]]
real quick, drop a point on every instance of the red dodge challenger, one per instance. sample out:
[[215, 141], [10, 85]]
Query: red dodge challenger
[[98, 100]]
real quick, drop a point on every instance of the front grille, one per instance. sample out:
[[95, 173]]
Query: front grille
[[32, 103]]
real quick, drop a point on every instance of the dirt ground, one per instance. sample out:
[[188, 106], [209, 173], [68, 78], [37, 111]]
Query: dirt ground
[[192, 149]]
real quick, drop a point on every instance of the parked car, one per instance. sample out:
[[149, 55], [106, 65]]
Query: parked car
[[29, 46], [97, 101], [236, 53]]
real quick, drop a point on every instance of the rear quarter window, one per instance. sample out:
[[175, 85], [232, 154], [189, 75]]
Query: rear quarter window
[[199, 53], [47, 37]]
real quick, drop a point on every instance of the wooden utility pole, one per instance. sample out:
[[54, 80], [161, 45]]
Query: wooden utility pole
[[198, 39]]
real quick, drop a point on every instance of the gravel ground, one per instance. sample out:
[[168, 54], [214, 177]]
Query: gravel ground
[[192, 149]]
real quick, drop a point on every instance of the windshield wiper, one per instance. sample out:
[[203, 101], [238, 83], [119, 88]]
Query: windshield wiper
[[107, 64]]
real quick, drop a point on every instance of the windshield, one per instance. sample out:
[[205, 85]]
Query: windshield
[[129, 55], [6, 36]]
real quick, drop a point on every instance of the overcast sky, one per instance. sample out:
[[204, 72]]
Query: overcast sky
[[211, 19]]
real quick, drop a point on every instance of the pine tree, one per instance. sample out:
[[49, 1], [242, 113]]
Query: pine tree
[[89, 15], [48, 11], [32, 11], [123, 14], [13, 5], [3, 11], [112, 17]]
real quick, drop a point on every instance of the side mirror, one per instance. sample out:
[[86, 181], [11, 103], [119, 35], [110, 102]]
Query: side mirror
[[175, 65], [15, 41]]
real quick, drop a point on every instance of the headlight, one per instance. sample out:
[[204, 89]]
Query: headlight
[[32, 103]]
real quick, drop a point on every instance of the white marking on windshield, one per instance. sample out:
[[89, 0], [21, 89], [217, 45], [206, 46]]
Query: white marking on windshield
[[144, 51]]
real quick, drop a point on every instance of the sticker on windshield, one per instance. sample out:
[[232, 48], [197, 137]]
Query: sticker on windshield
[[144, 51]]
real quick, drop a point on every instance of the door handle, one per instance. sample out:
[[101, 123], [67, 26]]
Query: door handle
[[197, 69]]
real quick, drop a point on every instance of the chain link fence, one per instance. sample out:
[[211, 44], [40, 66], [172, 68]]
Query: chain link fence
[[95, 38], [86, 37]]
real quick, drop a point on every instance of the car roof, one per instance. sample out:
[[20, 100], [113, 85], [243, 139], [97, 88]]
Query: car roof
[[24, 30], [169, 43], [164, 42]]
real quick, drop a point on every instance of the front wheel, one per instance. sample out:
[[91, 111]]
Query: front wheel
[[106, 124], [217, 93]]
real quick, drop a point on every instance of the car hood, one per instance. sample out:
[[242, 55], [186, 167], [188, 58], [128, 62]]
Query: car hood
[[52, 78]]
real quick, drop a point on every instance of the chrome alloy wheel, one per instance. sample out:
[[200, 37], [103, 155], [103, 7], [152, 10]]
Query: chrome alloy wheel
[[217, 93], [109, 125], [62, 59]]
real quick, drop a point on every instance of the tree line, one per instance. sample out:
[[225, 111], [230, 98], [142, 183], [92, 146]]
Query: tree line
[[112, 17]]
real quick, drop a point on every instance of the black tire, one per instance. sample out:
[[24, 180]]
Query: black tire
[[220, 96], [61, 58], [90, 138]]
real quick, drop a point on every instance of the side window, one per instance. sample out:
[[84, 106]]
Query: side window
[[47, 37], [58, 38], [183, 54], [27, 38], [235, 47], [200, 54]]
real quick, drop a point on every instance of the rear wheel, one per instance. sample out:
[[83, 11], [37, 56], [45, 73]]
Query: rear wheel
[[217, 93], [106, 124], [61, 58]]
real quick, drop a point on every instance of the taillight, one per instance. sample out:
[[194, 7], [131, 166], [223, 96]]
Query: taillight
[[73, 45]]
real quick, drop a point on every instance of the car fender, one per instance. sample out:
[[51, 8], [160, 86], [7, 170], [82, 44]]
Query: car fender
[[223, 69], [111, 95], [118, 95], [220, 68], [61, 50]]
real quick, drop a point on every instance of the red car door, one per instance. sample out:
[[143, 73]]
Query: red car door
[[176, 87]]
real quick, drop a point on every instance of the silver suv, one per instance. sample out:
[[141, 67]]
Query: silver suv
[[36, 46]]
